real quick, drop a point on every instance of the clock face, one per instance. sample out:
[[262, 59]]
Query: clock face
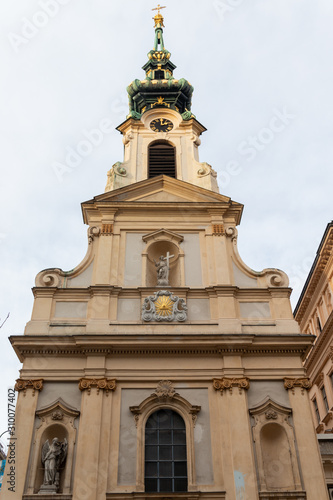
[[161, 125]]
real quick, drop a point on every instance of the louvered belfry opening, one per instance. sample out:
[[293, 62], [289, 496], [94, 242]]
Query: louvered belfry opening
[[161, 159]]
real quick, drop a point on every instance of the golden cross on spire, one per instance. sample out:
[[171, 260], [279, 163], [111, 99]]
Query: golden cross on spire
[[158, 8]]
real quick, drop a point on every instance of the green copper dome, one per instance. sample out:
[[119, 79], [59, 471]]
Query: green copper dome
[[159, 89]]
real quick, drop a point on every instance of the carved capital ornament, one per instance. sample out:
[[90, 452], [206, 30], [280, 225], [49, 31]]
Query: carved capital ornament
[[303, 383], [86, 384], [23, 385], [228, 384]]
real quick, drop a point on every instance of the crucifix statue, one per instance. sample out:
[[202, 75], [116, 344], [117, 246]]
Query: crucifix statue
[[163, 268]]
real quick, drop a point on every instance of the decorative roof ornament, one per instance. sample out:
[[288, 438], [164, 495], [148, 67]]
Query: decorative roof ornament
[[159, 18], [159, 82]]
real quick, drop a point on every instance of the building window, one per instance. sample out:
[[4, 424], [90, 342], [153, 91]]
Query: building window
[[315, 404], [323, 392], [165, 453], [161, 159]]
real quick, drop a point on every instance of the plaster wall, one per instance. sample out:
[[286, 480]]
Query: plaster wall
[[193, 269], [133, 266]]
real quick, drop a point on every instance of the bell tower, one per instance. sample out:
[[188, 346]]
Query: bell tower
[[162, 366], [161, 135]]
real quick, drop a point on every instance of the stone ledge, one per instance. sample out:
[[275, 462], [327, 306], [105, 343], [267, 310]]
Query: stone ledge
[[188, 495], [282, 495], [51, 496]]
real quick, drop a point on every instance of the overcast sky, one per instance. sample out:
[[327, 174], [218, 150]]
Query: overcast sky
[[263, 79]]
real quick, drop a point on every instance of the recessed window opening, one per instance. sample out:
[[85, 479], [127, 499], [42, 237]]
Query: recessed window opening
[[165, 453], [315, 404], [161, 159], [323, 392]]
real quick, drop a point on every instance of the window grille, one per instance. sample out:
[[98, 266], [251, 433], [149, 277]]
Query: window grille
[[165, 453]]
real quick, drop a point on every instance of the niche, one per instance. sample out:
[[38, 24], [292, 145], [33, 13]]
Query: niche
[[51, 432], [163, 243], [276, 458], [275, 449], [53, 421]]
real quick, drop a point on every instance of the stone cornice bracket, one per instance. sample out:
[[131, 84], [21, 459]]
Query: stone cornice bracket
[[86, 384], [225, 383], [23, 385], [291, 383]]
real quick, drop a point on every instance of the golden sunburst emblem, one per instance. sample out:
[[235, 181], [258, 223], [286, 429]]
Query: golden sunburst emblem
[[164, 306]]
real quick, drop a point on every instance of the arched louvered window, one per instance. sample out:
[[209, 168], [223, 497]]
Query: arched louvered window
[[165, 453], [161, 159]]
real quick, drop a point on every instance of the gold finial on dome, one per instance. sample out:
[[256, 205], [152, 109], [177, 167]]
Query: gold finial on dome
[[158, 18]]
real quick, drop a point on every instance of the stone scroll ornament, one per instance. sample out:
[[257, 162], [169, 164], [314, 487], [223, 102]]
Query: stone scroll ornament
[[53, 459], [164, 306]]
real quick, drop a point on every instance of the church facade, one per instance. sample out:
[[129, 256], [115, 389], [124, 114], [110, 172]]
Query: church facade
[[162, 366]]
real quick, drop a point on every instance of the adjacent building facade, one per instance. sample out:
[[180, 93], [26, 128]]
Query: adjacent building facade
[[314, 313], [162, 366]]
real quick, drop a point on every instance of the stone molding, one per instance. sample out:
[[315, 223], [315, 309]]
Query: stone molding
[[282, 495], [189, 495], [226, 383], [23, 385], [303, 383], [165, 396], [271, 277], [86, 384]]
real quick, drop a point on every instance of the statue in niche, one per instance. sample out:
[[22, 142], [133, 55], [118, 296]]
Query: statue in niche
[[163, 268], [53, 458]]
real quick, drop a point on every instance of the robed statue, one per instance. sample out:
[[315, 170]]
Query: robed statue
[[163, 268], [53, 458]]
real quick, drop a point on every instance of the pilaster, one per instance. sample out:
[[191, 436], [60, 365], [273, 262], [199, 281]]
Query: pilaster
[[20, 444], [88, 469], [309, 454], [234, 410]]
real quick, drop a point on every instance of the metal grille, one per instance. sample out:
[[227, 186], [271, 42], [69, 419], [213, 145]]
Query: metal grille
[[165, 453], [161, 160]]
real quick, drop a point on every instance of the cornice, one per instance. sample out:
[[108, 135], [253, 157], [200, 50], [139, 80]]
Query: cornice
[[320, 348], [324, 253], [168, 345]]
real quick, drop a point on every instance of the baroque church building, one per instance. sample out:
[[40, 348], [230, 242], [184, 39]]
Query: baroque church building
[[162, 366]]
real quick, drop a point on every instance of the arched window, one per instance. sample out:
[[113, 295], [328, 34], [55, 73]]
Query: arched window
[[165, 453], [161, 159]]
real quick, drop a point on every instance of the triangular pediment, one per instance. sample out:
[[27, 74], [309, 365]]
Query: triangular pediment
[[162, 189]]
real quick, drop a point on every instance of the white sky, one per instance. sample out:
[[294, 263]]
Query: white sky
[[247, 59]]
